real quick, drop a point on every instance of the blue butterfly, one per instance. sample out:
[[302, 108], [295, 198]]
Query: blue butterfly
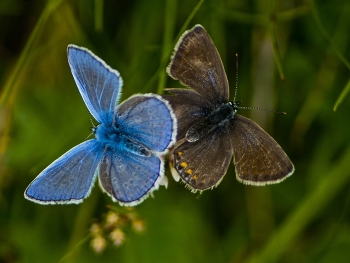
[[127, 153]]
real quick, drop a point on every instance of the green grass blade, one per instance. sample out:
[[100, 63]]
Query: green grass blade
[[342, 96]]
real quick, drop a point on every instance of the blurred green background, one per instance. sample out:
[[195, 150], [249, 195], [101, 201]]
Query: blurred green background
[[303, 219]]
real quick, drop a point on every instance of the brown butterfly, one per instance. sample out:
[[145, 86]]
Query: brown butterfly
[[210, 131]]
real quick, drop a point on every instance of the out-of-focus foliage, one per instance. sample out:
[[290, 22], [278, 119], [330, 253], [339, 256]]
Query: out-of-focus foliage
[[303, 219]]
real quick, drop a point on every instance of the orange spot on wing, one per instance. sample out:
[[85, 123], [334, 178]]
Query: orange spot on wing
[[183, 164]]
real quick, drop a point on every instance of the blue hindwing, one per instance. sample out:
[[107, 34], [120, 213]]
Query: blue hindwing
[[149, 119], [128, 177]]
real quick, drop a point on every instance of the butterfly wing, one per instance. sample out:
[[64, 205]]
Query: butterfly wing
[[258, 158], [197, 63], [202, 164], [70, 178], [128, 175], [129, 178], [189, 106], [99, 85], [149, 120]]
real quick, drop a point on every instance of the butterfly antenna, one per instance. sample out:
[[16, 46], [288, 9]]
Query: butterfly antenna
[[92, 128], [93, 125], [254, 108], [88, 136], [249, 108], [234, 98]]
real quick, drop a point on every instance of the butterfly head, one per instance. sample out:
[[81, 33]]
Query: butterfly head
[[106, 134], [93, 129], [234, 105]]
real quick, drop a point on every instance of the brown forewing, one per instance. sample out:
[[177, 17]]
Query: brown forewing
[[197, 64], [258, 158]]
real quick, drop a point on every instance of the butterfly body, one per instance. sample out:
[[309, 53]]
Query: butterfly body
[[210, 132], [127, 153], [219, 119], [112, 136]]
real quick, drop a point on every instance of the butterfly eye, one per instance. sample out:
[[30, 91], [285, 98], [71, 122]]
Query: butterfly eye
[[234, 105]]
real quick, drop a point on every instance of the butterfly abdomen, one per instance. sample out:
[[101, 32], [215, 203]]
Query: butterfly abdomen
[[218, 118], [110, 135]]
